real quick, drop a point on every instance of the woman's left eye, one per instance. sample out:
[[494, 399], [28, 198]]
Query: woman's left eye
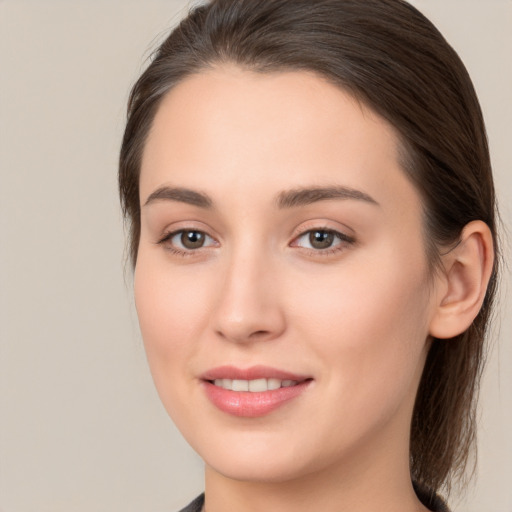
[[323, 240]]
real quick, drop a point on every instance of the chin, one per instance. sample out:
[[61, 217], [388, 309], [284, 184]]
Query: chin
[[260, 460], [257, 471]]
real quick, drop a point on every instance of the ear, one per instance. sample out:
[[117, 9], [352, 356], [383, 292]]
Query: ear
[[463, 282]]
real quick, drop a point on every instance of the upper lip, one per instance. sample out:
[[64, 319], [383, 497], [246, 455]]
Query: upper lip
[[251, 373]]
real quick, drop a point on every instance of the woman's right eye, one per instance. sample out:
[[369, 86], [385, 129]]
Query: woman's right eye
[[186, 240]]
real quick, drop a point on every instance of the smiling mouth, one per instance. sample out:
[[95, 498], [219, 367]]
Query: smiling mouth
[[252, 392], [253, 397], [253, 386]]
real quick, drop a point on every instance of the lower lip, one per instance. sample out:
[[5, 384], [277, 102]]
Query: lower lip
[[251, 405]]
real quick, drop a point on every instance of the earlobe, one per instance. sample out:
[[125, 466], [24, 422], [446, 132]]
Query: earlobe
[[467, 270]]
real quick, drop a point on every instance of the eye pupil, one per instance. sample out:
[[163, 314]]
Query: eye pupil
[[192, 239], [321, 239]]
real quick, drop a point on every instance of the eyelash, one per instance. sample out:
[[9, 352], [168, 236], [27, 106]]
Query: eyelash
[[343, 239], [180, 252]]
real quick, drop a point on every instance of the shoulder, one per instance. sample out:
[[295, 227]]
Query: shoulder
[[195, 506]]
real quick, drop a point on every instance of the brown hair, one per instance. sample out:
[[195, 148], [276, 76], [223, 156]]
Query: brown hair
[[389, 56]]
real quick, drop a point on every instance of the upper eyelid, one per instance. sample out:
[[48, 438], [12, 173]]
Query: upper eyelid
[[324, 224], [168, 235], [345, 233], [179, 227], [343, 237], [320, 228]]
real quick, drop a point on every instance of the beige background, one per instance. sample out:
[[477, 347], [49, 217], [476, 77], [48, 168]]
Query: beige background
[[81, 428]]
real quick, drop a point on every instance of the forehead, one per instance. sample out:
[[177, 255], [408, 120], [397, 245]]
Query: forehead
[[233, 128]]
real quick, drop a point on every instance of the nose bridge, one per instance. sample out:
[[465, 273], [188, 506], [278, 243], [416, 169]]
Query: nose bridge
[[248, 305]]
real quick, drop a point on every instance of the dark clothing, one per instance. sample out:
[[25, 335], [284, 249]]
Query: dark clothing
[[195, 506], [431, 500]]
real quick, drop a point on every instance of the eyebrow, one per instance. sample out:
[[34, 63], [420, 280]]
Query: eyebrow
[[181, 195], [286, 199], [305, 196]]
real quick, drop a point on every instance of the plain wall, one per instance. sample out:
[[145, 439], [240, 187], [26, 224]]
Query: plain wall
[[81, 427]]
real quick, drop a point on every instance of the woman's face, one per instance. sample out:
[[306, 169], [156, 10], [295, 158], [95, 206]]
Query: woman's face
[[282, 255]]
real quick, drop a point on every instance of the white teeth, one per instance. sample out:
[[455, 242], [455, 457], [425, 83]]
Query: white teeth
[[224, 383], [254, 386], [240, 385], [227, 383], [273, 384], [258, 385]]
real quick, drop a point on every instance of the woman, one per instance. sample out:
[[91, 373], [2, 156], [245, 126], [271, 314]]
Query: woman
[[312, 217]]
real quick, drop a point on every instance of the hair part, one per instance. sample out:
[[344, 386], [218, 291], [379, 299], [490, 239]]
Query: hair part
[[392, 59]]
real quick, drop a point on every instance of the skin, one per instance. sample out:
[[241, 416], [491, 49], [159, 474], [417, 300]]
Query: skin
[[354, 317]]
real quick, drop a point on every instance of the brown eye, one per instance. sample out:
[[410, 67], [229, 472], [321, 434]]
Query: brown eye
[[192, 239], [186, 241], [321, 239]]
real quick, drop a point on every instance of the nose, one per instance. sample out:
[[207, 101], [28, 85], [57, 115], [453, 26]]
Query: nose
[[249, 308]]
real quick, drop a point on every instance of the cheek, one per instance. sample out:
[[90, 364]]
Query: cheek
[[170, 316], [367, 301], [369, 326]]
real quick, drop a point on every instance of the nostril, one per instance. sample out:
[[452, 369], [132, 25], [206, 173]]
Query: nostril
[[259, 334]]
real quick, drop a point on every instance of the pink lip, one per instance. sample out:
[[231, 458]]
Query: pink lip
[[252, 373], [245, 403]]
